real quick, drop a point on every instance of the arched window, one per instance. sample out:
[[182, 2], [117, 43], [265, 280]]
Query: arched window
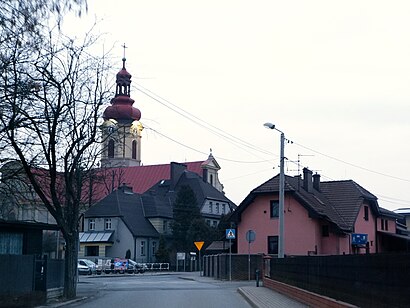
[[134, 149], [211, 179], [111, 148]]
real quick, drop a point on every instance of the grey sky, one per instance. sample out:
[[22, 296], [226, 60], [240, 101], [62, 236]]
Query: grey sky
[[333, 75]]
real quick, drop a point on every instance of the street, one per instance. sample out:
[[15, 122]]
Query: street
[[159, 290]]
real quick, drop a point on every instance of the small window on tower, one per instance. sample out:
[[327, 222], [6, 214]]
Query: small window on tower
[[134, 149], [111, 148]]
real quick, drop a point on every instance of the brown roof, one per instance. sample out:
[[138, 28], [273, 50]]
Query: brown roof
[[337, 201]]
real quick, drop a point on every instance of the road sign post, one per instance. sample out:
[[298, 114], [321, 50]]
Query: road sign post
[[250, 237], [230, 235], [199, 247]]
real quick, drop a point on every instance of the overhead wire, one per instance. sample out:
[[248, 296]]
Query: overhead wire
[[241, 143], [191, 117]]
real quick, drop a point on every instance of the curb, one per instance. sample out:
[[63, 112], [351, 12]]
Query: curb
[[250, 298]]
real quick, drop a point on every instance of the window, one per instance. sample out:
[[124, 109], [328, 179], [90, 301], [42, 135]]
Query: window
[[107, 224], [366, 212], [210, 207], [386, 225], [223, 209], [382, 224], [91, 224], [274, 208], [208, 222], [11, 243], [273, 245], [325, 231], [164, 226], [142, 248], [134, 149], [91, 251], [217, 208], [111, 148], [211, 179], [214, 223], [154, 248]]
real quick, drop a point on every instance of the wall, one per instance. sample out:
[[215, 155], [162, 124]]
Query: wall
[[366, 227], [301, 232], [372, 280]]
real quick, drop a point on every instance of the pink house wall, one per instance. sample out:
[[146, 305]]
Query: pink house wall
[[301, 233], [366, 227]]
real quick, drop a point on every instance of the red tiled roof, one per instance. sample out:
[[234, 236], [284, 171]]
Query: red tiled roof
[[140, 178]]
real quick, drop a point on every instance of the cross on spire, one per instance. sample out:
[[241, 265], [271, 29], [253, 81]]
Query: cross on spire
[[123, 58]]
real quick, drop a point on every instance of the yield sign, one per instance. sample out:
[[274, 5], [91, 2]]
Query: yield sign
[[199, 245]]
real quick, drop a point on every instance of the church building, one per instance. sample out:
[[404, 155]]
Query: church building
[[131, 203]]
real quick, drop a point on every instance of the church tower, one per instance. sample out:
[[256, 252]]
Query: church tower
[[121, 130]]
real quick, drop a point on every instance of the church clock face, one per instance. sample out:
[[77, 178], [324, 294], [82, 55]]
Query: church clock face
[[109, 126]]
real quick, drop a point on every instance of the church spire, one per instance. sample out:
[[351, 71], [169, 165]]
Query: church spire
[[122, 109]]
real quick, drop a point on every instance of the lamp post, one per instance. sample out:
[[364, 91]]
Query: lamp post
[[281, 190]]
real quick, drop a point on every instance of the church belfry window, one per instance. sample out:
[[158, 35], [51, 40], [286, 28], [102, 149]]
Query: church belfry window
[[111, 148], [134, 149]]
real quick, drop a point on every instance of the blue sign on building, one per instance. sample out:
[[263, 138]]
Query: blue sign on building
[[359, 239]]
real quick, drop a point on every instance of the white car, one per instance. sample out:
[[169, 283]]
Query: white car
[[83, 269], [92, 267]]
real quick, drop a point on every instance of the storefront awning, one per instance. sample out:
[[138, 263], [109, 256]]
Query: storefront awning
[[96, 237]]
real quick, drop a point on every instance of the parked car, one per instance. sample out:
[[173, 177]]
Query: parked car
[[134, 267], [83, 269], [89, 264], [142, 267], [120, 265]]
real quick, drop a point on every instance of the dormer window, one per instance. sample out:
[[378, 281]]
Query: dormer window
[[107, 224], [91, 224]]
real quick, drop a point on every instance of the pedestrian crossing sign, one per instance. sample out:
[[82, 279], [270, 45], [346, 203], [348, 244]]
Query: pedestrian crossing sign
[[230, 234]]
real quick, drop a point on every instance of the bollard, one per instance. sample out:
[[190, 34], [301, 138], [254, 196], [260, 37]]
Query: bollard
[[257, 277]]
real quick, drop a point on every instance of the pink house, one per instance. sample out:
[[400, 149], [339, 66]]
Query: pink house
[[321, 218]]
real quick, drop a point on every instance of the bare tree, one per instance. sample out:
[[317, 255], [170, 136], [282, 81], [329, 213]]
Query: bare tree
[[52, 93]]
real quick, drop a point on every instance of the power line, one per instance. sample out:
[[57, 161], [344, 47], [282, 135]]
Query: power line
[[239, 142], [354, 165], [191, 117], [201, 152]]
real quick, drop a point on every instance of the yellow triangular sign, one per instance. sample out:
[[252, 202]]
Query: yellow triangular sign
[[199, 245]]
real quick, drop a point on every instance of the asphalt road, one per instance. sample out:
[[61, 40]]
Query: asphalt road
[[174, 290]]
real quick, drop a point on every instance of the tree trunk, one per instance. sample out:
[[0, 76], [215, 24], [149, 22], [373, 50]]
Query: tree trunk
[[71, 256]]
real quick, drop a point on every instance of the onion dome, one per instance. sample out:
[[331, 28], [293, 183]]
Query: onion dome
[[121, 105]]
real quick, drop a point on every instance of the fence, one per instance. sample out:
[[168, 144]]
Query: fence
[[217, 266], [157, 266], [373, 280], [25, 280]]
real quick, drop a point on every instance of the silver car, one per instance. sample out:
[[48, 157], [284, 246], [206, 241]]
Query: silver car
[[92, 267]]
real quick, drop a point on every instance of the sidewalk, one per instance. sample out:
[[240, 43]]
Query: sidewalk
[[261, 297], [257, 297]]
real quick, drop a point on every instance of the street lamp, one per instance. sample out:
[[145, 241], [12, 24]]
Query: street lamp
[[281, 190]]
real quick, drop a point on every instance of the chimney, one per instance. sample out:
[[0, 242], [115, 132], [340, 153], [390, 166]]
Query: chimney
[[307, 180], [126, 189], [316, 181], [177, 170]]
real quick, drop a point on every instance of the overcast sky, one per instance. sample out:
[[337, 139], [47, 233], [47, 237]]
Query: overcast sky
[[334, 76]]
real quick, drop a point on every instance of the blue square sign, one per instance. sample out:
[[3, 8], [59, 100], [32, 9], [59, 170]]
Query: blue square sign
[[230, 234]]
